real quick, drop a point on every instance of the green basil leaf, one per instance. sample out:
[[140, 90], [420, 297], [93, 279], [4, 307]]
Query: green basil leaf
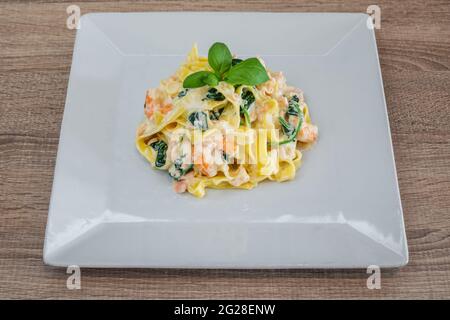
[[249, 72], [196, 79], [211, 80], [219, 57]]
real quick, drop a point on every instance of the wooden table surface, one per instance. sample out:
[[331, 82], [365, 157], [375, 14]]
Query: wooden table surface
[[35, 57]]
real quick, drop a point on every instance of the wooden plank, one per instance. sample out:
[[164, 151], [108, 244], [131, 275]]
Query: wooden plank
[[35, 57]]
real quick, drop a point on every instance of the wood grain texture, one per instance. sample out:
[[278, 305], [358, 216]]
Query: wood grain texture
[[35, 58]]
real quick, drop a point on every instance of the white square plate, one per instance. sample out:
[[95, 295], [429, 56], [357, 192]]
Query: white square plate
[[110, 209]]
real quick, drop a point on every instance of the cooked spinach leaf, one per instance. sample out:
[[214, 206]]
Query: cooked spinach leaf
[[295, 98], [225, 157], [199, 120], [182, 93], [161, 148], [247, 100], [292, 134], [214, 94], [215, 114], [293, 106], [287, 128], [177, 170], [235, 61]]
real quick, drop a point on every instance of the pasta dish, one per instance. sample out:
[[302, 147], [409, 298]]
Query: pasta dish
[[223, 122]]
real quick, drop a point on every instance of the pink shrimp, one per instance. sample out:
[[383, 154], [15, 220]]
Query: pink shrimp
[[149, 106], [181, 185], [308, 133]]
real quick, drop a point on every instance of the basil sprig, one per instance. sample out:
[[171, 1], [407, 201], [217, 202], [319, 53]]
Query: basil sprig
[[234, 71], [249, 72], [219, 58], [199, 79]]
